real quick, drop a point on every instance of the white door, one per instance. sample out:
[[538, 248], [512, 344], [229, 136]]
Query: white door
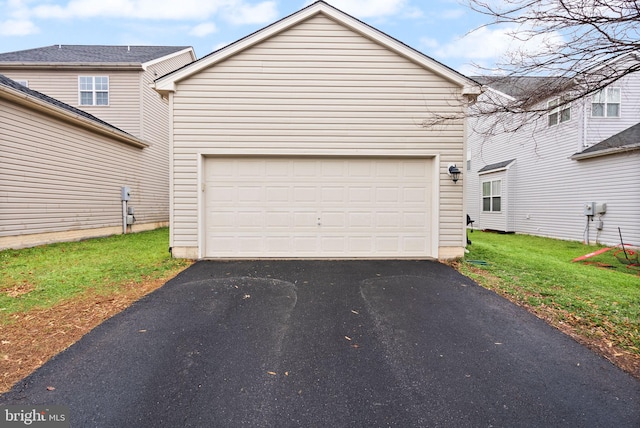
[[318, 207]]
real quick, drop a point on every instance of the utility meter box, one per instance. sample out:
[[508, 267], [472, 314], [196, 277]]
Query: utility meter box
[[130, 219], [589, 208], [601, 208], [125, 193]]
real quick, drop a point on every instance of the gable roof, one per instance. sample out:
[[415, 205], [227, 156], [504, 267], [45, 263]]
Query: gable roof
[[90, 54], [627, 140], [496, 166], [517, 86], [11, 89], [167, 83]]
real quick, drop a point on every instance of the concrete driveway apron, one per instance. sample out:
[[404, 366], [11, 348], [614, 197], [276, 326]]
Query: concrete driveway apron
[[330, 344]]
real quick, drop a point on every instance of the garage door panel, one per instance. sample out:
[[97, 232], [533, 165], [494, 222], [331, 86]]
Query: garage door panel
[[359, 220], [276, 194], [387, 195], [303, 194], [304, 219], [278, 219], [414, 220], [333, 195], [387, 244], [361, 194], [305, 244], [415, 195], [317, 207]]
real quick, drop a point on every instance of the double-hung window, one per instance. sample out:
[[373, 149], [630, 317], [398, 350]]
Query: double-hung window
[[94, 90], [606, 103], [558, 113], [492, 196]]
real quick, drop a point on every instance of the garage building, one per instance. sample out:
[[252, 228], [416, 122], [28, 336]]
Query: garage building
[[306, 140]]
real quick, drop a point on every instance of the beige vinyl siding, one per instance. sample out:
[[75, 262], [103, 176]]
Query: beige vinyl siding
[[316, 86], [154, 197], [57, 177], [123, 110]]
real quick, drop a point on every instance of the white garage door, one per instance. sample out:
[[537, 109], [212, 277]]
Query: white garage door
[[318, 207]]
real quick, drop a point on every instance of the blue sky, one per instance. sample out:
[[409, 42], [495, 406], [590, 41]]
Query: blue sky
[[438, 28]]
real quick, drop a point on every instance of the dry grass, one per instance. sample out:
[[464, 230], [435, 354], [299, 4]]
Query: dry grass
[[593, 337], [30, 339]]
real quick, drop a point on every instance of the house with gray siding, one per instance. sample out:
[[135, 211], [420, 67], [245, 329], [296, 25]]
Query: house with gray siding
[[305, 140], [57, 182], [571, 174]]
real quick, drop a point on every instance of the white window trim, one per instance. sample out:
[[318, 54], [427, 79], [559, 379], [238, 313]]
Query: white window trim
[[558, 111], [490, 196], [93, 91], [606, 102]]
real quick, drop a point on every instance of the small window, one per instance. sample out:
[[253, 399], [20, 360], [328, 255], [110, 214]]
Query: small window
[[606, 103], [492, 196], [94, 90], [558, 113]]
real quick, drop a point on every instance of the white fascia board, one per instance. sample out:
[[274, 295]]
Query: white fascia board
[[190, 50], [167, 83], [605, 152], [497, 92]]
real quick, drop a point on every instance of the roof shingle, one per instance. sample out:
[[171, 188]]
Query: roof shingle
[[629, 139], [90, 54]]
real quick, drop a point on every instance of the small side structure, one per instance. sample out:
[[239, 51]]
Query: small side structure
[[573, 174]]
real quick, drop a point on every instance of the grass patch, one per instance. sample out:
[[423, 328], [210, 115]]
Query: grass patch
[[50, 296], [600, 305], [44, 276]]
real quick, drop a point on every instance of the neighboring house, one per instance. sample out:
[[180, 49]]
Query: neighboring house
[[304, 139], [60, 169], [55, 187], [554, 176]]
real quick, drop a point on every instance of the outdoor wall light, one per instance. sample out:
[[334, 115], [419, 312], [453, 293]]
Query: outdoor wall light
[[453, 172]]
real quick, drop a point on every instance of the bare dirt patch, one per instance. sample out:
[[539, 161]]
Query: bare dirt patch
[[18, 290], [32, 338]]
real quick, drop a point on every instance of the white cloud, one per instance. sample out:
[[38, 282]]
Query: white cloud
[[452, 13], [204, 29], [220, 46], [136, 9], [260, 13], [486, 44], [235, 11], [428, 43], [14, 27]]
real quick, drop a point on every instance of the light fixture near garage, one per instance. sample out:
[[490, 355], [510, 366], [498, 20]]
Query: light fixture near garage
[[453, 172]]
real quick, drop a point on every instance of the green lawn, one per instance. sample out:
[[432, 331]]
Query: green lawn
[[42, 276], [538, 272]]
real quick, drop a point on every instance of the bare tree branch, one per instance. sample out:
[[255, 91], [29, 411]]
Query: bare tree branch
[[571, 48]]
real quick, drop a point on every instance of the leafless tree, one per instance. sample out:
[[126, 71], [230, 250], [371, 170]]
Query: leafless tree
[[581, 46]]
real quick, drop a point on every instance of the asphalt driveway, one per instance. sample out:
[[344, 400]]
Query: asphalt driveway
[[330, 344]]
